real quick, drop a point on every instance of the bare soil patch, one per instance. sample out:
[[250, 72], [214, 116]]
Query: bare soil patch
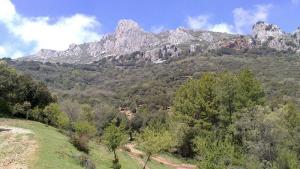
[[17, 147]]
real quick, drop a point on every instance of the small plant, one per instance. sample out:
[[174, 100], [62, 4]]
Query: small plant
[[85, 161]]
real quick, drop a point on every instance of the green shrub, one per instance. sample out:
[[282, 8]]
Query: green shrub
[[80, 142], [55, 116], [85, 161], [83, 132], [84, 128]]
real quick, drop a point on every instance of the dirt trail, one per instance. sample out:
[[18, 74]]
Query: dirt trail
[[17, 147], [137, 154]]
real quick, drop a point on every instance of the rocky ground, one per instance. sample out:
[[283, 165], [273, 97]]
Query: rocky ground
[[17, 147]]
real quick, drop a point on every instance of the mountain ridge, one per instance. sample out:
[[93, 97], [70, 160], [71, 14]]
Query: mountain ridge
[[131, 41]]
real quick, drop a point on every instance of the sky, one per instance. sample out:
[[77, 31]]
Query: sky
[[26, 26]]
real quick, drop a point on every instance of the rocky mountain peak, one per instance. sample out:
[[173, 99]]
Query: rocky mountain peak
[[179, 35], [263, 31], [126, 26], [131, 43]]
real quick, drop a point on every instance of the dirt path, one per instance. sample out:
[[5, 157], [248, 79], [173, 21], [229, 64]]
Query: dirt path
[[137, 154], [17, 147]]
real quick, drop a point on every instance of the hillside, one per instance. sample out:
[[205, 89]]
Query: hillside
[[117, 84], [32, 145]]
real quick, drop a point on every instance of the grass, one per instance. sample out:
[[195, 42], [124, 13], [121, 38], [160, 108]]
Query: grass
[[103, 159], [55, 151], [176, 159]]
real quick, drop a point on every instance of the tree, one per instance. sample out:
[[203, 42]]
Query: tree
[[72, 109], [227, 96], [87, 113], [84, 128], [214, 154], [250, 90], [197, 100], [113, 138], [17, 89], [267, 135], [154, 139], [55, 116], [211, 103], [22, 109]]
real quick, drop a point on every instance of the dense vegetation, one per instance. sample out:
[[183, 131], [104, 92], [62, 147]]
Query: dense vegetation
[[20, 94], [223, 109], [228, 124]]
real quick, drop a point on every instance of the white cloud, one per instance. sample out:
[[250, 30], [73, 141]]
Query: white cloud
[[222, 27], [17, 54], [198, 22], [157, 29], [243, 20], [7, 11], [2, 51], [58, 36], [44, 34], [202, 22]]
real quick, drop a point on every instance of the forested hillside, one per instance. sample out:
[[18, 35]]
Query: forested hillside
[[221, 109], [117, 83]]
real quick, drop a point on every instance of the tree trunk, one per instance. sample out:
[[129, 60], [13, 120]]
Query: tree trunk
[[115, 155], [148, 158]]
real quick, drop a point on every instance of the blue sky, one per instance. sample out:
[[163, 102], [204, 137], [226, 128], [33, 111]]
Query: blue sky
[[26, 26]]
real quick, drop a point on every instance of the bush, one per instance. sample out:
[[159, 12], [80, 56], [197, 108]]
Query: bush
[[22, 109], [85, 161], [80, 142], [55, 116], [84, 128], [83, 132]]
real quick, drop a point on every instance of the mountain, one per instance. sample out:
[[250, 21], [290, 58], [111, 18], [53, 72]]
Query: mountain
[[130, 41]]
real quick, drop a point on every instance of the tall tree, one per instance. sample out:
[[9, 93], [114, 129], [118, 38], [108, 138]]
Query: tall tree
[[113, 138], [250, 90], [197, 100], [227, 96]]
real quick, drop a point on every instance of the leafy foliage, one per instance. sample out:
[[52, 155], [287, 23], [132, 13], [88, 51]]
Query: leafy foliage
[[21, 91], [55, 116], [215, 154], [155, 139], [84, 128], [113, 138]]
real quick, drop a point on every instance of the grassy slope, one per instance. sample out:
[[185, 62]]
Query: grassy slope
[[127, 162], [56, 152], [54, 148]]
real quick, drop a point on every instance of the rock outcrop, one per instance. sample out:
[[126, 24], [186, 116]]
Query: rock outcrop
[[130, 41], [272, 36]]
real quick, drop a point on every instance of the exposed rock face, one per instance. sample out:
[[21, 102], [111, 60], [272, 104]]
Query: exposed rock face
[[179, 36], [296, 36], [239, 43], [130, 37], [273, 37], [264, 32], [130, 41]]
